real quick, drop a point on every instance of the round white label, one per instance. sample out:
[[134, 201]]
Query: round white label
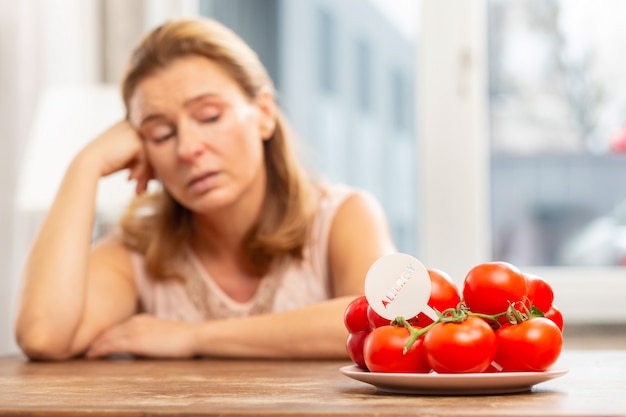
[[398, 285]]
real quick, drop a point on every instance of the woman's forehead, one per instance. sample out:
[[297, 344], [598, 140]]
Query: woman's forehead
[[179, 82]]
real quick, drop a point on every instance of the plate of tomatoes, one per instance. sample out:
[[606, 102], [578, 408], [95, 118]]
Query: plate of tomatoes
[[500, 334]]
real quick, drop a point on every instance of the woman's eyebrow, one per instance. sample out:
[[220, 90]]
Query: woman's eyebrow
[[200, 97], [155, 116], [150, 117]]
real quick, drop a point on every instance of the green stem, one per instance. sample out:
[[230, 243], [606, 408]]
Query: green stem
[[414, 333], [456, 315], [493, 318]]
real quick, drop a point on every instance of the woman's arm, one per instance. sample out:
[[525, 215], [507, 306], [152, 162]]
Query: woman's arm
[[316, 331], [359, 236], [65, 289]]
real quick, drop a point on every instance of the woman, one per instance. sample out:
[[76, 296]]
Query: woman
[[240, 254]]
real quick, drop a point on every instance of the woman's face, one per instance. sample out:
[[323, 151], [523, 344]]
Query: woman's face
[[203, 135]]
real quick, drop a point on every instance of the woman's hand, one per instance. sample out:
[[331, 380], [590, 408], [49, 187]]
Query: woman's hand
[[147, 336], [117, 148]]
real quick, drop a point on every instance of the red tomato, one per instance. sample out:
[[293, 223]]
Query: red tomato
[[444, 294], [555, 315], [540, 293], [533, 345], [354, 346], [383, 351], [490, 287], [355, 316], [376, 320], [468, 346]]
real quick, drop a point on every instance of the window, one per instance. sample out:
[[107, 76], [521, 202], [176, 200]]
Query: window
[[363, 78], [558, 170], [511, 117], [326, 47], [400, 103]]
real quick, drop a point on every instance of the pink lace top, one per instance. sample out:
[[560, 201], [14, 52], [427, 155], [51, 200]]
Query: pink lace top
[[290, 284]]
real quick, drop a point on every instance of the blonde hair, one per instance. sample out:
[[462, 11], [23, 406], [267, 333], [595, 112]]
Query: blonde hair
[[155, 224]]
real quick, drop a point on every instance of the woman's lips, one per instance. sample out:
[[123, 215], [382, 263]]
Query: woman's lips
[[203, 183]]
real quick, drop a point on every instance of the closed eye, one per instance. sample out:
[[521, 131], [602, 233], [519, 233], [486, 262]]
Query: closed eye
[[163, 138], [211, 119], [160, 133]]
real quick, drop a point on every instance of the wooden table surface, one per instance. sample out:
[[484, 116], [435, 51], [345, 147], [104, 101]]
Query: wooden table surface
[[594, 386]]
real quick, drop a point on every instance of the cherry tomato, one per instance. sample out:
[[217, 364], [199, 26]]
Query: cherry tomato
[[490, 287], [444, 294], [355, 316], [355, 320], [354, 346], [555, 315], [530, 346], [468, 346], [383, 351], [540, 293], [376, 320]]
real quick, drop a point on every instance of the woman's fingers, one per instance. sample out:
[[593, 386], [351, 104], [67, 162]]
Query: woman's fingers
[[103, 346], [146, 336], [142, 173]]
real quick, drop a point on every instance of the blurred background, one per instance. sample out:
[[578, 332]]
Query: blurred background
[[489, 129]]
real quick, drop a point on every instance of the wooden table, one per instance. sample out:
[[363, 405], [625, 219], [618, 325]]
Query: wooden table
[[594, 386]]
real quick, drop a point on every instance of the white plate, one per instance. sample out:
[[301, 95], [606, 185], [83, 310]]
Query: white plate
[[452, 384]]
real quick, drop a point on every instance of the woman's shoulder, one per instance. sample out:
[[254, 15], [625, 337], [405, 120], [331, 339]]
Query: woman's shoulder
[[336, 200], [350, 210], [335, 193], [336, 196]]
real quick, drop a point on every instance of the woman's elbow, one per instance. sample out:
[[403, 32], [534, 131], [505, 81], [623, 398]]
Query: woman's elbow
[[42, 345]]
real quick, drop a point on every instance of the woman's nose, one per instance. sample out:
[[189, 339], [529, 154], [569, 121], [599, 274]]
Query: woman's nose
[[190, 143]]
